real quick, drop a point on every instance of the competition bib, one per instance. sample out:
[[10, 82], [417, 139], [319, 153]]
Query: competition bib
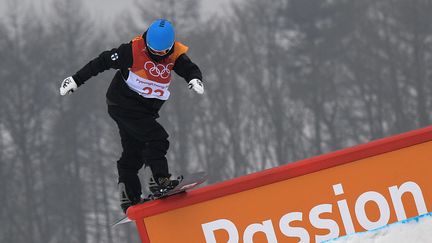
[[148, 88]]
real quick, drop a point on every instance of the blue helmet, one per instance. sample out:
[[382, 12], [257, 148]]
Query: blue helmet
[[160, 35]]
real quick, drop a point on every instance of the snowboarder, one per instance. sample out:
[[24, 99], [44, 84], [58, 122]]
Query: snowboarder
[[134, 98]]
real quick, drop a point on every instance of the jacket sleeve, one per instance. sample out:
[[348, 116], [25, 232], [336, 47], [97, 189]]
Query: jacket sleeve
[[117, 58], [186, 69]]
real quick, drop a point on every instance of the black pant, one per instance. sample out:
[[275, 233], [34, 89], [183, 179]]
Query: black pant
[[144, 141]]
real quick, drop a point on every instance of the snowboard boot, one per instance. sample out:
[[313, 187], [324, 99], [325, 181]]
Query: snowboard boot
[[162, 185], [125, 200]]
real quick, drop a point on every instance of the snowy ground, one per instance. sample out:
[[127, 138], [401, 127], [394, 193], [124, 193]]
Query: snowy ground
[[414, 230]]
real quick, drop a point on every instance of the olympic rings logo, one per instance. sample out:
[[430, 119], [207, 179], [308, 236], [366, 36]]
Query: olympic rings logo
[[158, 70]]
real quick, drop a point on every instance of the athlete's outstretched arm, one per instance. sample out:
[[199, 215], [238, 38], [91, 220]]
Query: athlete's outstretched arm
[[117, 58], [190, 72], [186, 69]]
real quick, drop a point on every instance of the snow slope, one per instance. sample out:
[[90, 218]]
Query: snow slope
[[413, 230]]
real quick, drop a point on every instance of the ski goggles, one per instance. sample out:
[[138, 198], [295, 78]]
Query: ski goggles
[[158, 53]]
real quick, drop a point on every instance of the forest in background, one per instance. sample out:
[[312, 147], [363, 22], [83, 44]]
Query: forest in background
[[284, 80]]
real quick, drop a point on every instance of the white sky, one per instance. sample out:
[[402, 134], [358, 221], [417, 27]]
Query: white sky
[[103, 9], [103, 12]]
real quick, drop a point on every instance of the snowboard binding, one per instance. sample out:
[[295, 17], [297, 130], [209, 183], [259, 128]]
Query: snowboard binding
[[162, 187]]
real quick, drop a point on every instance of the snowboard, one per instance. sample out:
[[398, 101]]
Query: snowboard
[[187, 182]]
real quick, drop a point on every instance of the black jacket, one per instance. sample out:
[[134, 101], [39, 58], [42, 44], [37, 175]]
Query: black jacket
[[118, 93]]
